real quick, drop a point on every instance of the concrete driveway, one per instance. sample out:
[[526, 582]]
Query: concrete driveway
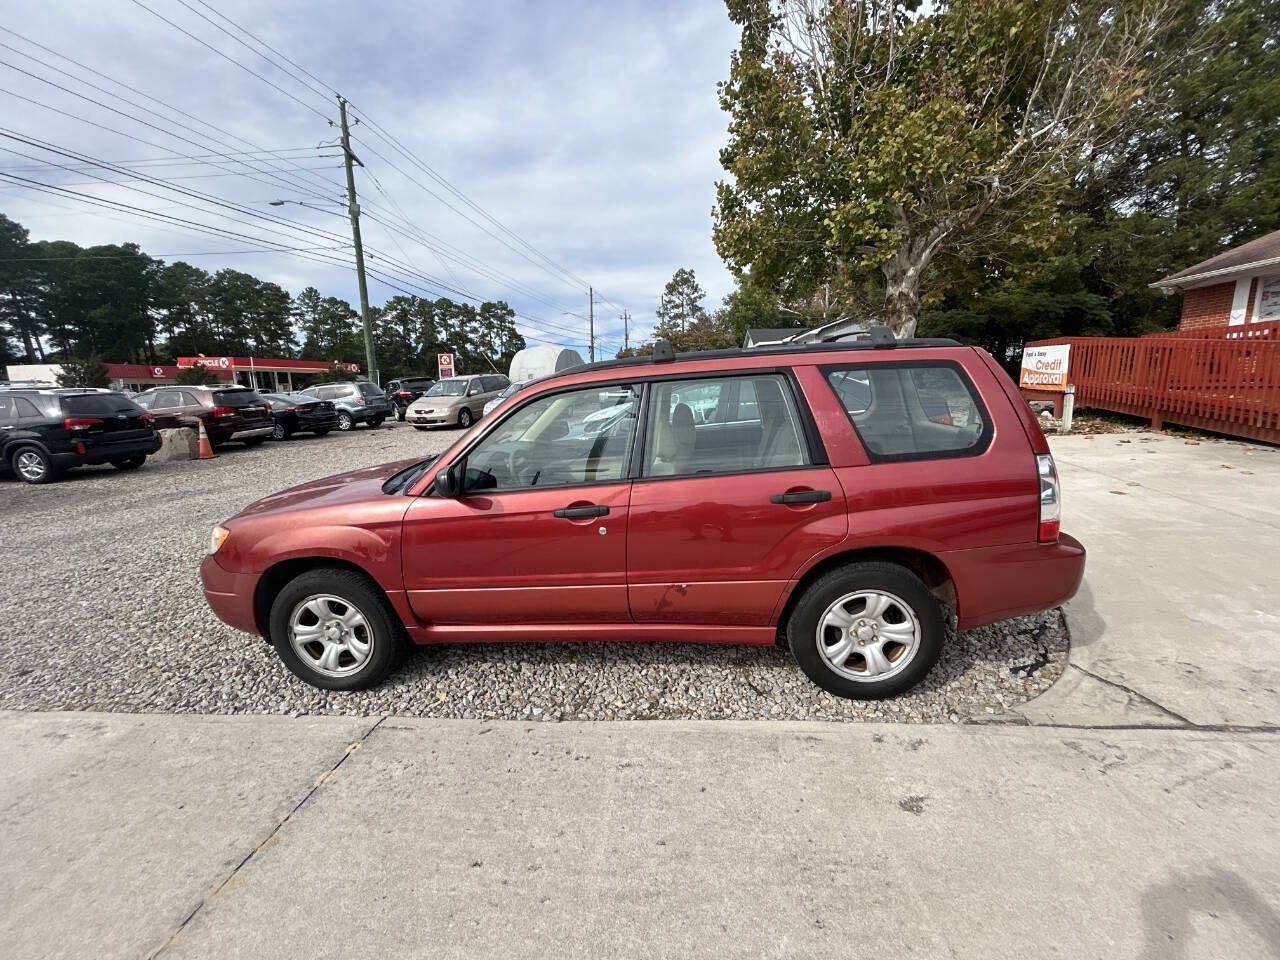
[[1130, 812]]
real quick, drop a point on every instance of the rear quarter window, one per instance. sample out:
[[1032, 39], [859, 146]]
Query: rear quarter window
[[912, 410], [370, 389], [98, 405]]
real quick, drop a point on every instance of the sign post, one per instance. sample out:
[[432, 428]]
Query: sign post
[[445, 362]]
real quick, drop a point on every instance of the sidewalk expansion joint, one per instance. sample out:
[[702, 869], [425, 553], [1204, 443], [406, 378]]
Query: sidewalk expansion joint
[[1135, 694], [268, 839]]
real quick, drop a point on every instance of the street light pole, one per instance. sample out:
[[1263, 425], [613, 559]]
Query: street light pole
[[353, 208]]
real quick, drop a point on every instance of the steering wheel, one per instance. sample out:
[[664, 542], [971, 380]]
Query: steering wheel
[[518, 463]]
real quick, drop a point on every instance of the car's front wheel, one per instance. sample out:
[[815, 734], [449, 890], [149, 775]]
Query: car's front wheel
[[334, 629], [866, 631], [465, 418], [280, 431]]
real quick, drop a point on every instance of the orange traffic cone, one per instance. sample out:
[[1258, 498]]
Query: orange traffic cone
[[206, 448]]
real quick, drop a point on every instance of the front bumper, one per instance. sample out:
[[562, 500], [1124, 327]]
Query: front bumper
[[434, 418], [230, 595]]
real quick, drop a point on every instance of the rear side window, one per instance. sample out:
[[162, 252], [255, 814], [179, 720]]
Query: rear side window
[[237, 398], [98, 405], [723, 425], [912, 410]]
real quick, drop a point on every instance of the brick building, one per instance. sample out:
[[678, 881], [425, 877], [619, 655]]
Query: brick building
[[1239, 286]]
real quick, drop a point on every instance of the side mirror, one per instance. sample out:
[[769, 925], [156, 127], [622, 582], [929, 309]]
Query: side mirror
[[473, 392], [451, 481]]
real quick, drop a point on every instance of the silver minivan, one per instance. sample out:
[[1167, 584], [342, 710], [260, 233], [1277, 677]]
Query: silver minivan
[[455, 401]]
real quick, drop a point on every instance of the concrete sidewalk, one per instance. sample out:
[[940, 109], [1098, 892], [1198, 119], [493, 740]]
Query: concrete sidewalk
[[1177, 621], [258, 837]]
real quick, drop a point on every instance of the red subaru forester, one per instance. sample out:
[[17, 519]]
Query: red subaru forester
[[835, 495]]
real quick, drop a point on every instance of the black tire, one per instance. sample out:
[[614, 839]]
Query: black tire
[[464, 418], [400, 413], [416, 427], [345, 421], [41, 468], [254, 441], [280, 431], [322, 433], [386, 633], [129, 463], [910, 596], [376, 422]]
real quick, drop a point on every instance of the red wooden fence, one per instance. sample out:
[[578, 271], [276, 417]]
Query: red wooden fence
[[1228, 384]]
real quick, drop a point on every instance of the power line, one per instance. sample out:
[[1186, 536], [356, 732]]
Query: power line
[[224, 56]]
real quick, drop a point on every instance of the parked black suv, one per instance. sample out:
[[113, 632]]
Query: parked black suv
[[300, 413], [45, 431], [404, 391]]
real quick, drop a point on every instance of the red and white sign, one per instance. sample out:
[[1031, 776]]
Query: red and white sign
[[222, 363], [445, 362], [1045, 368], [348, 367]]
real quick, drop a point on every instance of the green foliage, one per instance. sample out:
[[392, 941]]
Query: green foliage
[[867, 139], [83, 370], [197, 376]]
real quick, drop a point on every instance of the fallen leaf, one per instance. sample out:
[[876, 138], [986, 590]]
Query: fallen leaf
[[1119, 493]]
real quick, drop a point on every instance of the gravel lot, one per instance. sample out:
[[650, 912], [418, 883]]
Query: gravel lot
[[102, 610]]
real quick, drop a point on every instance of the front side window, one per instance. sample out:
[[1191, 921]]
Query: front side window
[[723, 425], [912, 411], [572, 438]]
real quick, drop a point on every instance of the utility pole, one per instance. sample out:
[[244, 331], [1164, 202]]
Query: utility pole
[[591, 319], [353, 209], [626, 321]]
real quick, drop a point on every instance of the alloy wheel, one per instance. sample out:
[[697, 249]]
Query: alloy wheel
[[330, 635], [277, 431], [30, 466], [868, 635]]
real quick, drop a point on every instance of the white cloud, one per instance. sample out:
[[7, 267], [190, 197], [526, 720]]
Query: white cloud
[[591, 130]]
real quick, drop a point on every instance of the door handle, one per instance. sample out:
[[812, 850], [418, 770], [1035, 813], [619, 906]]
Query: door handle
[[802, 496], [576, 513]]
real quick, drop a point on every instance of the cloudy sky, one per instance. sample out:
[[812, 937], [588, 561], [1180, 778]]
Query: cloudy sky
[[589, 130]]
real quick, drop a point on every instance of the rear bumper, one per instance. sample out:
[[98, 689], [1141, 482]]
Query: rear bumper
[[250, 432], [996, 583], [230, 595], [106, 452]]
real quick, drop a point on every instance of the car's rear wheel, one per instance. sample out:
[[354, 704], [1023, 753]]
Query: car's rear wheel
[[866, 631], [465, 418], [280, 431], [129, 463], [345, 421], [334, 629], [32, 465], [400, 413]]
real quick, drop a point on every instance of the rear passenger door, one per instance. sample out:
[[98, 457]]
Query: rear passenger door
[[735, 495]]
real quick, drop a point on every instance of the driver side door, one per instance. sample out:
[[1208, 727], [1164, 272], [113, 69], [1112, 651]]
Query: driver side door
[[539, 535]]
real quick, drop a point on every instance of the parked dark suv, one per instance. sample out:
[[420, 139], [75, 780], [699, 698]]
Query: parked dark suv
[[404, 391], [300, 413], [229, 412], [725, 497], [45, 431]]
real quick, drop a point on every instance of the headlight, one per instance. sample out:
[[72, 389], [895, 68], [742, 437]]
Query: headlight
[[217, 537]]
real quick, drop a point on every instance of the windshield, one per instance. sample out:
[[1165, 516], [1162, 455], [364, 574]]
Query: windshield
[[448, 388], [514, 388]]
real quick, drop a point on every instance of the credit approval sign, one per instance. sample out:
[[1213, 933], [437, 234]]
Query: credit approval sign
[[1045, 368]]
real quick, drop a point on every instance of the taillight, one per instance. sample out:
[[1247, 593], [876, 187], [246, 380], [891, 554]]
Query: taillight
[[1050, 499], [403, 393], [224, 411], [147, 417], [942, 418], [359, 401], [80, 423], [292, 409]]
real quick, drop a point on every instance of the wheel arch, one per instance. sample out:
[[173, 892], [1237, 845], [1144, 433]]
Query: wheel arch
[[274, 578], [925, 565]]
